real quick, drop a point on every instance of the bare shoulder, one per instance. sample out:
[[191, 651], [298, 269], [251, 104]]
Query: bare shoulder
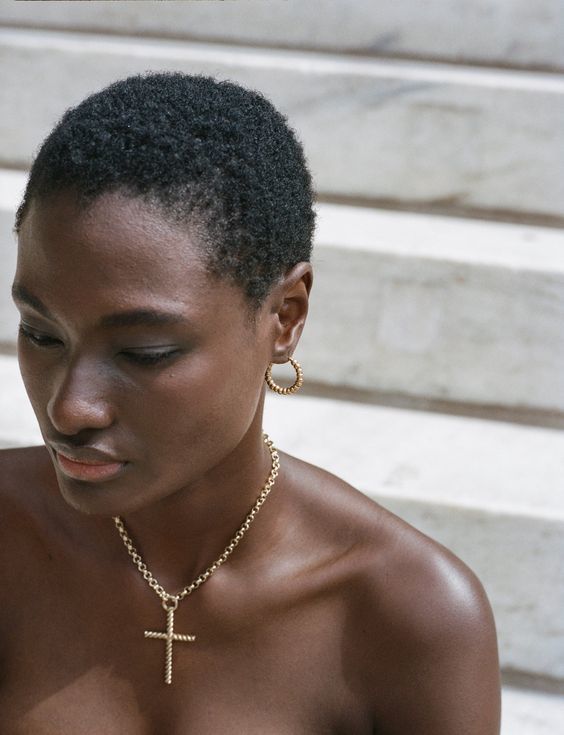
[[386, 552], [21, 469], [26, 485], [422, 629]]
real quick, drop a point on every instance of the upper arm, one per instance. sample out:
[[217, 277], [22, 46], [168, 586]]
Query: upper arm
[[442, 668], [453, 684]]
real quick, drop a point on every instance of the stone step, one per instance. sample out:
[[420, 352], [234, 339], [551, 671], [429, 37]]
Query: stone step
[[505, 32], [419, 134], [453, 309], [531, 712], [422, 306], [490, 491]]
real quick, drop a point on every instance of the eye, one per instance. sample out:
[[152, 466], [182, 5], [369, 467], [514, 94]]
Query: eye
[[149, 358], [36, 338]]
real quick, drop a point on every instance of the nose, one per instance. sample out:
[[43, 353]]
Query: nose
[[80, 398]]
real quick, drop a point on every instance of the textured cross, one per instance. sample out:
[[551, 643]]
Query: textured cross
[[169, 637]]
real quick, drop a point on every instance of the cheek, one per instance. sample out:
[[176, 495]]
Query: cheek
[[203, 403], [33, 379]]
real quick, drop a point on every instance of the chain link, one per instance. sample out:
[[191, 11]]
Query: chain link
[[229, 549]]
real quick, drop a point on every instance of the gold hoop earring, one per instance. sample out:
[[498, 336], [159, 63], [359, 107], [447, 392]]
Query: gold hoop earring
[[285, 391]]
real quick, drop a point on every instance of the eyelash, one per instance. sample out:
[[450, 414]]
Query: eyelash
[[148, 358], [139, 358], [35, 338]]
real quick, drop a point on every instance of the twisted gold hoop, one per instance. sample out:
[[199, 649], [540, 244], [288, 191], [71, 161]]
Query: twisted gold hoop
[[278, 388]]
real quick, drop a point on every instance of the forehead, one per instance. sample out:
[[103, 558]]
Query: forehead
[[112, 234], [117, 250]]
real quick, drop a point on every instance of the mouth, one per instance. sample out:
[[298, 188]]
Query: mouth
[[89, 470]]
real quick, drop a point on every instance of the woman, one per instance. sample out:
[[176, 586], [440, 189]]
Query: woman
[[163, 265]]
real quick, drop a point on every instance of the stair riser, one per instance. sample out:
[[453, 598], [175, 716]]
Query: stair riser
[[515, 32], [436, 328]]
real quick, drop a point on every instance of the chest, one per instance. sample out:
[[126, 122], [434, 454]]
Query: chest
[[76, 660]]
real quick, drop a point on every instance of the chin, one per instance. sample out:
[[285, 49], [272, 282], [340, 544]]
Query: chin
[[93, 499]]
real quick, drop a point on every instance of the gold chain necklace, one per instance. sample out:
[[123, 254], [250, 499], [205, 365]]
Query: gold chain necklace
[[170, 602]]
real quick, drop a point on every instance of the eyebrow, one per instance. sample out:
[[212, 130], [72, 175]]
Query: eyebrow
[[129, 318], [140, 317]]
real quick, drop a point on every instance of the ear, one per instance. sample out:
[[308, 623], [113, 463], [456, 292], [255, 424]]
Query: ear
[[289, 307]]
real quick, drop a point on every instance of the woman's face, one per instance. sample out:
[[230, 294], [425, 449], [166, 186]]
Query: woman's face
[[129, 347]]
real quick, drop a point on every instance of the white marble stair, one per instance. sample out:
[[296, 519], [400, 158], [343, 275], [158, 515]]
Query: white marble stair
[[531, 712], [490, 491], [447, 308], [428, 307], [507, 32], [420, 134]]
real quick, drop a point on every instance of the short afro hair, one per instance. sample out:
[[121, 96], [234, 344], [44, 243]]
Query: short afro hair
[[208, 153]]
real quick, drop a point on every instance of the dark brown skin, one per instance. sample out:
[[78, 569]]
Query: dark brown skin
[[332, 616]]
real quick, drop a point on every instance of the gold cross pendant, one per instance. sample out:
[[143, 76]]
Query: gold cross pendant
[[169, 636]]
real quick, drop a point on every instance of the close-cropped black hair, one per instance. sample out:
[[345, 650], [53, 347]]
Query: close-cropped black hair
[[206, 152]]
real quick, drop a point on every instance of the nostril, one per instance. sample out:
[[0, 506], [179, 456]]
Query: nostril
[[72, 415], [78, 403]]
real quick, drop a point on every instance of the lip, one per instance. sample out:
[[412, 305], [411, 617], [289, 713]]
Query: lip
[[89, 469]]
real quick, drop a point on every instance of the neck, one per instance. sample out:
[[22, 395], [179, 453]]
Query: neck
[[182, 535]]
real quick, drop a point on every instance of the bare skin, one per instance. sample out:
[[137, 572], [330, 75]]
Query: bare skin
[[332, 616]]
